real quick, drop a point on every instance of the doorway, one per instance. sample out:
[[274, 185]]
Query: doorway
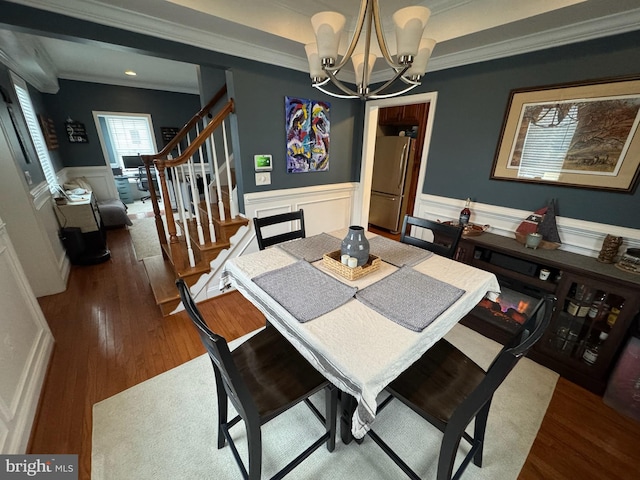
[[361, 208]]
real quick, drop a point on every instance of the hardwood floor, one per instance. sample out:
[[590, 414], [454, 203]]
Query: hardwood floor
[[110, 336]]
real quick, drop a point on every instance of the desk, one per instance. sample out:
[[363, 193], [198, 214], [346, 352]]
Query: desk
[[81, 230], [356, 348], [124, 189]]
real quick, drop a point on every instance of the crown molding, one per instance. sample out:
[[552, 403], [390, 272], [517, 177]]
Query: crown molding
[[132, 84], [25, 56], [114, 16], [579, 32]]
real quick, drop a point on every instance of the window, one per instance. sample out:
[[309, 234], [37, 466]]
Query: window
[[124, 135], [22, 92]]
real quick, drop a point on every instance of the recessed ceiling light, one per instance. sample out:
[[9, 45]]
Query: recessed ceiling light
[[131, 73]]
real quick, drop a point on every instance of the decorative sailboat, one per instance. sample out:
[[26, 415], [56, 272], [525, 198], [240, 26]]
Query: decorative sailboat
[[542, 221]]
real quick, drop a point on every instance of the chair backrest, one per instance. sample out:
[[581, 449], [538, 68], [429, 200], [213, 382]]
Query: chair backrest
[[261, 223], [506, 360], [445, 237], [226, 373], [143, 182]]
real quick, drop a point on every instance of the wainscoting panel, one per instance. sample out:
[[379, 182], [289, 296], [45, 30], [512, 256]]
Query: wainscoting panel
[[326, 207], [26, 348], [577, 236], [100, 178]]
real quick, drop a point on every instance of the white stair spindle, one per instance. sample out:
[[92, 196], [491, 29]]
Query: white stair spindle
[[195, 200], [207, 196], [183, 220]]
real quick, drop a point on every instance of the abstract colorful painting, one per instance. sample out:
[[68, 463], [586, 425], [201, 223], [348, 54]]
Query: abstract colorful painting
[[307, 124]]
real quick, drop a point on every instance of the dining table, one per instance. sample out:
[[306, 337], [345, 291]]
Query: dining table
[[361, 333]]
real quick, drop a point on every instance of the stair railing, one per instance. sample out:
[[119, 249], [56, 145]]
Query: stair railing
[[181, 172]]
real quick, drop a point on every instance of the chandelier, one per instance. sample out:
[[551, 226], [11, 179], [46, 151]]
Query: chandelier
[[408, 65]]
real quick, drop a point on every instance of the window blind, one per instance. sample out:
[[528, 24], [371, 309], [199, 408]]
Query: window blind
[[34, 131], [129, 135]]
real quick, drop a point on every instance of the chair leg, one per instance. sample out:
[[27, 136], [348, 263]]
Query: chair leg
[[479, 431], [254, 442], [222, 412], [448, 451]]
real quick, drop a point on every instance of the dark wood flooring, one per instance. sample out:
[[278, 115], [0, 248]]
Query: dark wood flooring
[[110, 336]]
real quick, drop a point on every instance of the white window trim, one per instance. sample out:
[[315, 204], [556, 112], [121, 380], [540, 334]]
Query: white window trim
[[103, 143], [35, 132]]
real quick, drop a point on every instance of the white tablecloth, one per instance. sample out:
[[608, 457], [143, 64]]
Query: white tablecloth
[[356, 348]]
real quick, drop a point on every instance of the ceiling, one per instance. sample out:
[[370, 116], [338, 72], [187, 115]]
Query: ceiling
[[275, 31]]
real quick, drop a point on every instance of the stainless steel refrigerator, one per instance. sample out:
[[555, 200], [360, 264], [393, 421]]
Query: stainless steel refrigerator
[[392, 166]]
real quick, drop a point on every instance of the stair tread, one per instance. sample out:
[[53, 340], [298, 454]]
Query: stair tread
[[161, 278]]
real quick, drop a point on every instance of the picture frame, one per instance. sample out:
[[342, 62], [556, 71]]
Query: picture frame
[[582, 135]]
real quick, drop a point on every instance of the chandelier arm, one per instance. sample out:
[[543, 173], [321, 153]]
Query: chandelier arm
[[408, 81], [332, 94], [364, 9], [382, 43], [398, 74], [367, 49], [393, 94], [342, 86]]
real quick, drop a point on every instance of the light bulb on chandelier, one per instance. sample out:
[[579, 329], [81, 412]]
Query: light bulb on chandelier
[[408, 66]]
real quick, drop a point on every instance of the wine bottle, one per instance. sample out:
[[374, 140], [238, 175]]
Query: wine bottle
[[593, 349], [465, 214]]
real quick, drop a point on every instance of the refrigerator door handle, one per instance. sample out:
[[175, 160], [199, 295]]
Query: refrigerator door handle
[[403, 165]]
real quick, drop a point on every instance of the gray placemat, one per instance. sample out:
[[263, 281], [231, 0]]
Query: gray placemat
[[304, 291], [312, 248], [410, 298], [397, 253]]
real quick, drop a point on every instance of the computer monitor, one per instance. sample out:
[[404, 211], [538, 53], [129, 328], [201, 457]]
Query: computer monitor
[[132, 161]]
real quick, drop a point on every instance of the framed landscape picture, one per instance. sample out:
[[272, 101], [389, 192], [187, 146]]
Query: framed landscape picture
[[578, 135]]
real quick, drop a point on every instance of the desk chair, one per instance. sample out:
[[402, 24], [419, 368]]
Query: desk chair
[[445, 237], [263, 378], [449, 390], [143, 182], [261, 223]]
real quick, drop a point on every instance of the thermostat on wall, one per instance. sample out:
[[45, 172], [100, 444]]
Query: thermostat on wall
[[263, 163]]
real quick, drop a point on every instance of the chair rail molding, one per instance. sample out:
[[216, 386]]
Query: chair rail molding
[[578, 236]]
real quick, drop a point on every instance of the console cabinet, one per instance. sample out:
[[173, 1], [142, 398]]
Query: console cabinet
[[593, 298]]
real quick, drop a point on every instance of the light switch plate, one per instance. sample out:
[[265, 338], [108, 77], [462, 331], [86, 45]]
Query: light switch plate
[[263, 178]]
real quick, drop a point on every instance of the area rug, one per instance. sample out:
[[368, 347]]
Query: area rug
[[145, 237], [165, 428]]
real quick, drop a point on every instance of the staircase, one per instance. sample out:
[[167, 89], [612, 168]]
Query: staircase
[[201, 221]]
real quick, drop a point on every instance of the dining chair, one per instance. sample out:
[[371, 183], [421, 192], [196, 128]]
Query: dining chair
[[262, 378], [261, 223], [445, 237], [449, 390]]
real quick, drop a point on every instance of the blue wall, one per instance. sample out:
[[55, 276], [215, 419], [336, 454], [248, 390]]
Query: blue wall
[[470, 109], [260, 101], [79, 99], [469, 114]]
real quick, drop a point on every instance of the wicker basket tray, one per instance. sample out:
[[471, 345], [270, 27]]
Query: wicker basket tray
[[332, 261]]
